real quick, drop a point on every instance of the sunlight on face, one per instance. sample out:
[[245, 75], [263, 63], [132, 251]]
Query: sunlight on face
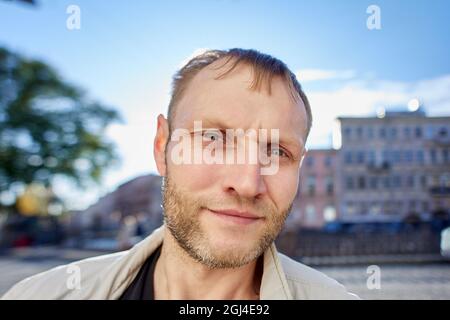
[[222, 215], [231, 247]]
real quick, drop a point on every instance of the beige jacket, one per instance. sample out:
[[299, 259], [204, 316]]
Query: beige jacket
[[107, 277]]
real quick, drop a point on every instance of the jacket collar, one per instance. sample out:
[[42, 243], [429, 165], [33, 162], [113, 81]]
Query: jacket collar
[[122, 272], [274, 285]]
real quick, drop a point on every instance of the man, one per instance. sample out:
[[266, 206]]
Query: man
[[220, 216]]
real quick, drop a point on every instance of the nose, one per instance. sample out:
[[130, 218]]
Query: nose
[[244, 180]]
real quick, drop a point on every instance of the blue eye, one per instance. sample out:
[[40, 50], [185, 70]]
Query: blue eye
[[210, 136], [279, 152]]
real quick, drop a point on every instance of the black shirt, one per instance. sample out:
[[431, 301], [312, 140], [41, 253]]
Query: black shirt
[[142, 286]]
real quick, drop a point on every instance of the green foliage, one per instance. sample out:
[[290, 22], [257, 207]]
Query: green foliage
[[48, 127]]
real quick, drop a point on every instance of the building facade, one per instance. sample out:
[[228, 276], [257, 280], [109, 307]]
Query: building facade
[[316, 201], [393, 166], [383, 168], [139, 197]]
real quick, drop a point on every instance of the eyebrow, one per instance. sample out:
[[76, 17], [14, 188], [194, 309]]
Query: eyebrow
[[289, 142], [214, 124]]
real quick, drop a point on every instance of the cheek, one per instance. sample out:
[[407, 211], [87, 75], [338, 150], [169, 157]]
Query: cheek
[[194, 177], [282, 187]]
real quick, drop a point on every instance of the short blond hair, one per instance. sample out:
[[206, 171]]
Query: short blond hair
[[264, 66]]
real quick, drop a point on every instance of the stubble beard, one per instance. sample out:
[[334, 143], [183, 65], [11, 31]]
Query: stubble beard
[[181, 216]]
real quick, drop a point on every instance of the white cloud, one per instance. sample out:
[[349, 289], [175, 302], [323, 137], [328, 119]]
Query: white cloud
[[307, 75], [363, 97], [135, 141], [195, 53]]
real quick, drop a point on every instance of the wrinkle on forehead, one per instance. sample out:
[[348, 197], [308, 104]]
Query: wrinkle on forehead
[[232, 97]]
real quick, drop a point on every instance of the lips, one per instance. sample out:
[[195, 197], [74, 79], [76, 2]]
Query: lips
[[241, 217]]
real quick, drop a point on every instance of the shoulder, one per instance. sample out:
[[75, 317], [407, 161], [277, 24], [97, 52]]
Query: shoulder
[[71, 281], [308, 283]]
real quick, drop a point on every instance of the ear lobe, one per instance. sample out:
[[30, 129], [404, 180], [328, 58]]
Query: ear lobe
[[159, 144]]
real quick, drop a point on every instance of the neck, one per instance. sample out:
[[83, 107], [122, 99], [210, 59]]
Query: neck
[[179, 277]]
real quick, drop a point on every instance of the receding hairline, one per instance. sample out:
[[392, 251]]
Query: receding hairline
[[262, 77], [231, 65]]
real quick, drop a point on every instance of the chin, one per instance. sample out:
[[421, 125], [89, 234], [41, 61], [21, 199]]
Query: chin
[[232, 247]]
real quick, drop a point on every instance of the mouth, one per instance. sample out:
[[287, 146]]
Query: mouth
[[235, 216]]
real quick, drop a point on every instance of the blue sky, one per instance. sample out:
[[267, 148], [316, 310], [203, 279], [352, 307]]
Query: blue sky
[[126, 52]]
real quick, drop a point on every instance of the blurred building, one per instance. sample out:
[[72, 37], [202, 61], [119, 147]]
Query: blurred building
[[316, 201], [393, 166], [139, 197]]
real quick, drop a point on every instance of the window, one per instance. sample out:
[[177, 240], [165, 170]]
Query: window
[[418, 132], [329, 213], [359, 132], [433, 156], [361, 182], [329, 185], [397, 155], [408, 156], [375, 208], [350, 208], [423, 181], [371, 157], [363, 208], [386, 182], [393, 133], [348, 157], [444, 180], [443, 132], [434, 180], [310, 213], [360, 157], [347, 132], [370, 133], [396, 181], [407, 132], [445, 155], [410, 181], [349, 183], [373, 182], [386, 155], [311, 185], [429, 132], [382, 133], [420, 157], [328, 161]]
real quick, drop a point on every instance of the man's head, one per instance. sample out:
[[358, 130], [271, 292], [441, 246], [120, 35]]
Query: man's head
[[226, 215]]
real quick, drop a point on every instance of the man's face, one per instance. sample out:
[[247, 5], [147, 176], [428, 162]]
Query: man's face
[[226, 215]]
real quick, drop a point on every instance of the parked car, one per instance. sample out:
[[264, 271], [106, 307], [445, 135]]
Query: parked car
[[445, 243]]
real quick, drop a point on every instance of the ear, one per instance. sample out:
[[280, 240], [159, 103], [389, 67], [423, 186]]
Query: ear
[[159, 144]]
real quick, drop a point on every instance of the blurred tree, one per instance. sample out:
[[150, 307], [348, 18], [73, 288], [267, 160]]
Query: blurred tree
[[33, 2], [48, 127]]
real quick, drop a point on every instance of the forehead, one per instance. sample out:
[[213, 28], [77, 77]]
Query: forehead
[[230, 100]]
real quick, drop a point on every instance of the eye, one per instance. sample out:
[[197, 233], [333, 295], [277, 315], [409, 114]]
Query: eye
[[278, 152], [212, 135]]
